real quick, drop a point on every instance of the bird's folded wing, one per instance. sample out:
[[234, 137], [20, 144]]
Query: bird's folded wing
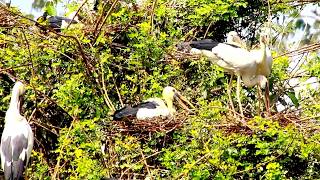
[[14, 150], [231, 57]]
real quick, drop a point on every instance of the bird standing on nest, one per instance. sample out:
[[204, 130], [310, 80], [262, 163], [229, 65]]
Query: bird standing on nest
[[56, 22], [154, 107], [252, 66], [17, 138]]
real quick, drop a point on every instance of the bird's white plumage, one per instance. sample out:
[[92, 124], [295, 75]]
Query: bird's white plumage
[[247, 64], [161, 110], [15, 129], [225, 57], [164, 106], [17, 137], [252, 66]]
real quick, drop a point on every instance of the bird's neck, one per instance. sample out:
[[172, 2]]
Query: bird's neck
[[14, 106], [45, 15], [169, 103], [263, 54], [263, 66]]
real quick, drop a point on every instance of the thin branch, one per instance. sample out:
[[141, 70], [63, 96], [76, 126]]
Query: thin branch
[[99, 19], [146, 164], [32, 65], [105, 19], [154, 154], [118, 92], [302, 50], [84, 2], [105, 94], [57, 167], [152, 15], [192, 165], [206, 33]]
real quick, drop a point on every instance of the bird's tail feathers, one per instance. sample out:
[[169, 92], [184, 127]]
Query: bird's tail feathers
[[15, 171]]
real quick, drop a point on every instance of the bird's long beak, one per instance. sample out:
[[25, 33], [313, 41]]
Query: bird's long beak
[[182, 100]]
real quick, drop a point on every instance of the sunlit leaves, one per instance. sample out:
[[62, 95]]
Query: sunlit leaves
[[134, 56]]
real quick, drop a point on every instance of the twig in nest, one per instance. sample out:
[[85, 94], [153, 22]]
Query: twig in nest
[[157, 124]]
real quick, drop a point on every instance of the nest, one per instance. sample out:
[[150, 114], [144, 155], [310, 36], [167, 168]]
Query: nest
[[152, 125], [306, 124], [181, 56]]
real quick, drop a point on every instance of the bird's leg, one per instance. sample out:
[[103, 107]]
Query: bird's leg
[[229, 94], [238, 95], [259, 99], [267, 99]]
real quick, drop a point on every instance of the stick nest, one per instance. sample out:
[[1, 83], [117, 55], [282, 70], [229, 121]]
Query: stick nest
[[157, 124], [181, 56], [306, 125]]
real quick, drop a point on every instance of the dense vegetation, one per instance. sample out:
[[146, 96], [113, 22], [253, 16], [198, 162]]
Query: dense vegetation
[[123, 54]]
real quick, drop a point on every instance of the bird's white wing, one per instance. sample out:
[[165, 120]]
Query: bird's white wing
[[233, 58], [160, 110], [159, 101]]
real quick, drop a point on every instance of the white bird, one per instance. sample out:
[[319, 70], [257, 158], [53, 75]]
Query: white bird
[[233, 38], [16, 139], [154, 107], [252, 66]]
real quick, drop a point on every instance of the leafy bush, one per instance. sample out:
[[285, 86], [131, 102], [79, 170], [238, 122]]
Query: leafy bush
[[77, 78]]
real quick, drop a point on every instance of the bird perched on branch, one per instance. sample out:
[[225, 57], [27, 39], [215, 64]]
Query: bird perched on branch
[[154, 107], [56, 22], [17, 137], [251, 66]]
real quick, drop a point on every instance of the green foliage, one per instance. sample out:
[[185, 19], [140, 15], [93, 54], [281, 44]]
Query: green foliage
[[270, 151], [80, 145], [39, 168], [73, 76]]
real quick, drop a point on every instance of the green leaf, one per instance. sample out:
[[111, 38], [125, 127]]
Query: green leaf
[[50, 9], [293, 98]]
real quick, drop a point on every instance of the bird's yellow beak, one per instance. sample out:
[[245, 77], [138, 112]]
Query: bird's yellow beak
[[182, 100]]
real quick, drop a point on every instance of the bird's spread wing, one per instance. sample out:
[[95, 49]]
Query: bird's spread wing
[[14, 150], [129, 111]]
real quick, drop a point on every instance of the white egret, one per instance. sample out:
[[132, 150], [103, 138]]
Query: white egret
[[16, 139]]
